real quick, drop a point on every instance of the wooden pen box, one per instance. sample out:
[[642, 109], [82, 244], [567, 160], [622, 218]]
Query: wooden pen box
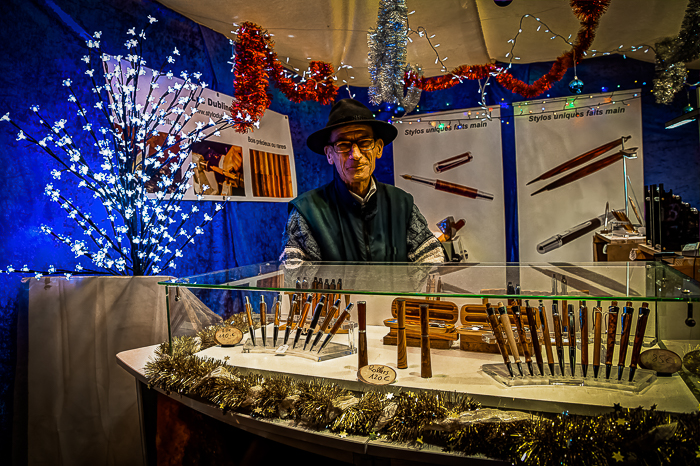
[[442, 316], [475, 325]]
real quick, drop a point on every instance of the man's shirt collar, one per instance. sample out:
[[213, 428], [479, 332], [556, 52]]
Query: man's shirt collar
[[372, 190]]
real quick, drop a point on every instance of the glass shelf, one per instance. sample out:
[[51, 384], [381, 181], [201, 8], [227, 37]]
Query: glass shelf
[[624, 281]]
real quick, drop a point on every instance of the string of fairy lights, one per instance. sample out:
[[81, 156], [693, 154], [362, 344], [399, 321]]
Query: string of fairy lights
[[524, 109], [423, 33]]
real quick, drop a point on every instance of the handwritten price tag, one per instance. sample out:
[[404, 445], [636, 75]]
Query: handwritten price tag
[[376, 374], [228, 336], [660, 360]]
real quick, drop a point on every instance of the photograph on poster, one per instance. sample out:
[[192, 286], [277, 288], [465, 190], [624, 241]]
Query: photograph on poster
[[270, 174], [451, 163], [579, 163], [218, 169]]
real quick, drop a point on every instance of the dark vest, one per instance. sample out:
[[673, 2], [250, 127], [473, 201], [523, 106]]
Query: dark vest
[[348, 231]]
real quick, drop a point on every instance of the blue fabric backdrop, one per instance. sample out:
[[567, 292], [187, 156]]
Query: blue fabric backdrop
[[42, 42]]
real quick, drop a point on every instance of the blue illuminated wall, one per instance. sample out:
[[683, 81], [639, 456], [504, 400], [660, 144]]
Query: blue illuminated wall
[[42, 45]]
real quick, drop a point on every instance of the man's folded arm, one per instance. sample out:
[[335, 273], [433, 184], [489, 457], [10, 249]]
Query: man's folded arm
[[297, 241], [423, 246]]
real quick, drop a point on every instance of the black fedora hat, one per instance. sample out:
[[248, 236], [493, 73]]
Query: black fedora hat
[[346, 112]]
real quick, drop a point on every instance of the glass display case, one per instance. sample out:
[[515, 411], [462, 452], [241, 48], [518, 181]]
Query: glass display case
[[197, 302]]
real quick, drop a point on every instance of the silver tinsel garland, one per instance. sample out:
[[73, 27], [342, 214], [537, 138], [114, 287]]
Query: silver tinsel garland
[[674, 52], [387, 57]]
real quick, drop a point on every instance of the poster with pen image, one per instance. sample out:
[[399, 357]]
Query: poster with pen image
[[220, 161], [451, 163], [571, 155]]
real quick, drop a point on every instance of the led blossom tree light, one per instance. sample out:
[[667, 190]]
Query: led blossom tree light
[[142, 144]]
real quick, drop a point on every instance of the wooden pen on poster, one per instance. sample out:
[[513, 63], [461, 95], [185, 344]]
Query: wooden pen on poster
[[505, 322], [426, 369], [401, 354], [627, 314]]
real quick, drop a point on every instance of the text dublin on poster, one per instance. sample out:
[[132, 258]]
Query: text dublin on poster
[[571, 153], [255, 166], [451, 163]]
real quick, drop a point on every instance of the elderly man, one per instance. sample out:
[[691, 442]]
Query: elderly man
[[354, 217]]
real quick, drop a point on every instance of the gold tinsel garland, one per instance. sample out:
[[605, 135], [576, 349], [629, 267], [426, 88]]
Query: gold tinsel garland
[[453, 421]]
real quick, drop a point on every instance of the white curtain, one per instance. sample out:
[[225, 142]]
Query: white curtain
[[82, 405]]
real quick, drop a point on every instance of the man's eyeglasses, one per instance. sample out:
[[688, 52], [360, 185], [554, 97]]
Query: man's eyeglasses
[[345, 147]]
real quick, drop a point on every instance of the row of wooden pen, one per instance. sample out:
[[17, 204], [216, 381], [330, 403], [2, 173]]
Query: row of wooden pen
[[505, 338], [302, 324]]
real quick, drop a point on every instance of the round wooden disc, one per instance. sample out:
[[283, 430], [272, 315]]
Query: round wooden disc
[[228, 336], [660, 360], [376, 374], [691, 361]]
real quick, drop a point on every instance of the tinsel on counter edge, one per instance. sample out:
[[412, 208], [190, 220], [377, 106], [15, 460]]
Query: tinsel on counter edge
[[453, 421], [673, 53]]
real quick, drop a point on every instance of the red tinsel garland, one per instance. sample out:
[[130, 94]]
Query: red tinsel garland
[[588, 13], [255, 63]]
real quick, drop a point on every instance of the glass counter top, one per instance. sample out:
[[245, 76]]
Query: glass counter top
[[626, 281]]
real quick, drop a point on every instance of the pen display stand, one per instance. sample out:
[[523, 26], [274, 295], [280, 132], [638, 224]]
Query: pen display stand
[[332, 350], [642, 378]]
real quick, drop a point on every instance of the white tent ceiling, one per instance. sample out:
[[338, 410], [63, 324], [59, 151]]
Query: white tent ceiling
[[469, 32]]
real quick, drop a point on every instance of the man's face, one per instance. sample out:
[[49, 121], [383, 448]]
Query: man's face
[[355, 167]]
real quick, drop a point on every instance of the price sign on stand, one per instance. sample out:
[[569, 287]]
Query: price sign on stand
[[228, 336], [376, 374]]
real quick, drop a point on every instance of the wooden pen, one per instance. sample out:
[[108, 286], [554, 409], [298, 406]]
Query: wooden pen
[[515, 309], [290, 318], [558, 341], [263, 319], [613, 312], [326, 322], [336, 327], [597, 337], [498, 334], [401, 354], [583, 325], [547, 337], [362, 358], [426, 370], [638, 338], [627, 314], [505, 322], [532, 323]]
